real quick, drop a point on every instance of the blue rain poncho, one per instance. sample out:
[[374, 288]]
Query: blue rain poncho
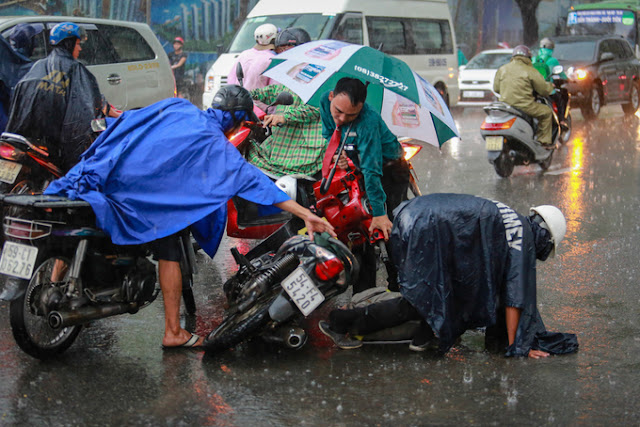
[[160, 169], [462, 259], [12, 67]]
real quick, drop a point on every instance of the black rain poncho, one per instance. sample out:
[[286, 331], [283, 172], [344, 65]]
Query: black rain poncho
[[56, 100], [461, 259], [12, 67]]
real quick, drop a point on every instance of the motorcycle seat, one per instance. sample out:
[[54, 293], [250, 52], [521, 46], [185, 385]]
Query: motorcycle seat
[[42, 201], [502, 106]]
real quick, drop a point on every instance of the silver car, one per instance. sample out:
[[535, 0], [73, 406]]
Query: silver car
[[126, 58]]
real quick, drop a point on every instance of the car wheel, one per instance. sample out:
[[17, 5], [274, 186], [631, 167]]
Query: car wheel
[[592, 108], [634, 100]]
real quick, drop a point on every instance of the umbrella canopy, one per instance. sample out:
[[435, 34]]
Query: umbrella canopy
[[409, 104]]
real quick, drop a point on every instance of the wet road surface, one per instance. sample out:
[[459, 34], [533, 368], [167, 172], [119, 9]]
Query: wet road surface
[[116, 372]]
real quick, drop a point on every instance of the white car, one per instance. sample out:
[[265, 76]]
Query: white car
[[476, 78]]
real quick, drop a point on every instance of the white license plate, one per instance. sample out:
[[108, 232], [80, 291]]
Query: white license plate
[[9, 171], [473, 94], [302, 291], [18, 260], [494, 143]]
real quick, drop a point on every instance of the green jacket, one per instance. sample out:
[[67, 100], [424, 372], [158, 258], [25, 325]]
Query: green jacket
[[517, 80], [545, 56], [374, 143]]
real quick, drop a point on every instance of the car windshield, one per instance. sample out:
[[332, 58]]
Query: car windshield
[[575, 51], [488, 61], [317, 25]]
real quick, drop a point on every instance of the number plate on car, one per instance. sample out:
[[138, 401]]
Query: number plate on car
[[494, 143], [303, 291], [473, 94], [18, 260], [9, 171]]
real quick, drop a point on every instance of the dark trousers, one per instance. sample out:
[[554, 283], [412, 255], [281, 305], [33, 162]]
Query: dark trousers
[[374, 317], [395, 183]]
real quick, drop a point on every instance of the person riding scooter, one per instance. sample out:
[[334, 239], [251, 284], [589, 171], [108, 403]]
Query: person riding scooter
[[517, 82], [547, 62], [57, 99]]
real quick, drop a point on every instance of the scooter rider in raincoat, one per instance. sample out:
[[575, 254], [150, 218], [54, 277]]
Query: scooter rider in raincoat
[[517, 82], [56, 100], [545, 62]]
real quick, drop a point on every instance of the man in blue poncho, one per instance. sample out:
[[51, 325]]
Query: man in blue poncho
[[166, 167]]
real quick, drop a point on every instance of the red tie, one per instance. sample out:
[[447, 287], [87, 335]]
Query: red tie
[[334, 142]]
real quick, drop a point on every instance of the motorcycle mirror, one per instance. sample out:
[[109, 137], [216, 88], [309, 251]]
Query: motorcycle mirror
[[98, 125], [240, 74], [558, 69], [284, 98]]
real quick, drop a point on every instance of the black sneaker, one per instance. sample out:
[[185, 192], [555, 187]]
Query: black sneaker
[[341, 340], [423, 339]]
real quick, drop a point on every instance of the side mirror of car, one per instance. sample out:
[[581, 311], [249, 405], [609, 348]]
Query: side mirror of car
[[462, 67], [607, 56], [240, 74]]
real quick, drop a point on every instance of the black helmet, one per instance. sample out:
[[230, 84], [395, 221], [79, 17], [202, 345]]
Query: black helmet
[[547, 43], [521, 50], [234, 98], [292, 37]]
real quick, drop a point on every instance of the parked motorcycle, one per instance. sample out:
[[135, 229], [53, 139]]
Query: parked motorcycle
[[65, 272], [271, 294], [510, 135]]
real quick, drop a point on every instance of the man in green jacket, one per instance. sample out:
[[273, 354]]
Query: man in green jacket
[[516, 83], [546, 60], [375, 151]]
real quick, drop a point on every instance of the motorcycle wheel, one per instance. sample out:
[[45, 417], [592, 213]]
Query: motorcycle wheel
[[546, 162], [592, 108], [503, 165], [30, 327], [187, 294], [239, 326], [566, 135]]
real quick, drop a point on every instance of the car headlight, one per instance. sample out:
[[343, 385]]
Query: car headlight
[[577, 73]]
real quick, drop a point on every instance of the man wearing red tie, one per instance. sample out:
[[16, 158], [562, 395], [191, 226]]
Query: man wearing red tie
[[374, 150]]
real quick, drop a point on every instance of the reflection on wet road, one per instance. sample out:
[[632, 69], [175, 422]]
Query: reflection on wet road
[[116, 372]]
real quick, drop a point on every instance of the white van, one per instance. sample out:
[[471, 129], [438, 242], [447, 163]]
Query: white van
[[128, 61], [420, 32]]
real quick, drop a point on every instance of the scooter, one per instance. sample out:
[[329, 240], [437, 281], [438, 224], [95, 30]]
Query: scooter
[[271, 294], [65, 272], [510, 135]]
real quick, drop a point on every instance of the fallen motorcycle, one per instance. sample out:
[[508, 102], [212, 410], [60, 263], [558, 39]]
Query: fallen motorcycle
[[270, 294], [65, 272]]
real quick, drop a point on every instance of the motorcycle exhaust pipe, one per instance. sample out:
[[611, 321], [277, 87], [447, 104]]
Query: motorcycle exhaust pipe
[[291, 337], [62, 319]]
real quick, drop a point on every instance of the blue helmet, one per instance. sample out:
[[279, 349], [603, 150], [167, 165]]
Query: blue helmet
[[65, 30]]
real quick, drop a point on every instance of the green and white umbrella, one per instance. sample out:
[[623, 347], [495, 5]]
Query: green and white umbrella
[[409, 104]]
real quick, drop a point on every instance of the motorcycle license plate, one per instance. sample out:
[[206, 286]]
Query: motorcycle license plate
[[9, 171], [494, 143], [302, 291], [18, 260]]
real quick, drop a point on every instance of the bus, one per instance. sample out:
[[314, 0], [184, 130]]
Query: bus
[[607, 17]]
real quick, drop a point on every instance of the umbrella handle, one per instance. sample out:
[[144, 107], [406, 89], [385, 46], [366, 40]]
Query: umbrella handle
[[326, 182]]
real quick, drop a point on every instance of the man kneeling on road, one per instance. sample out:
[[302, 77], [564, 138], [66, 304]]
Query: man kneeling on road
[[464, 262], [516, 83], [161, 169]]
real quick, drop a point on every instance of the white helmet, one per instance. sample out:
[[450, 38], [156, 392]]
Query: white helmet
[[265, 34], [553, 221], [289, 185]]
